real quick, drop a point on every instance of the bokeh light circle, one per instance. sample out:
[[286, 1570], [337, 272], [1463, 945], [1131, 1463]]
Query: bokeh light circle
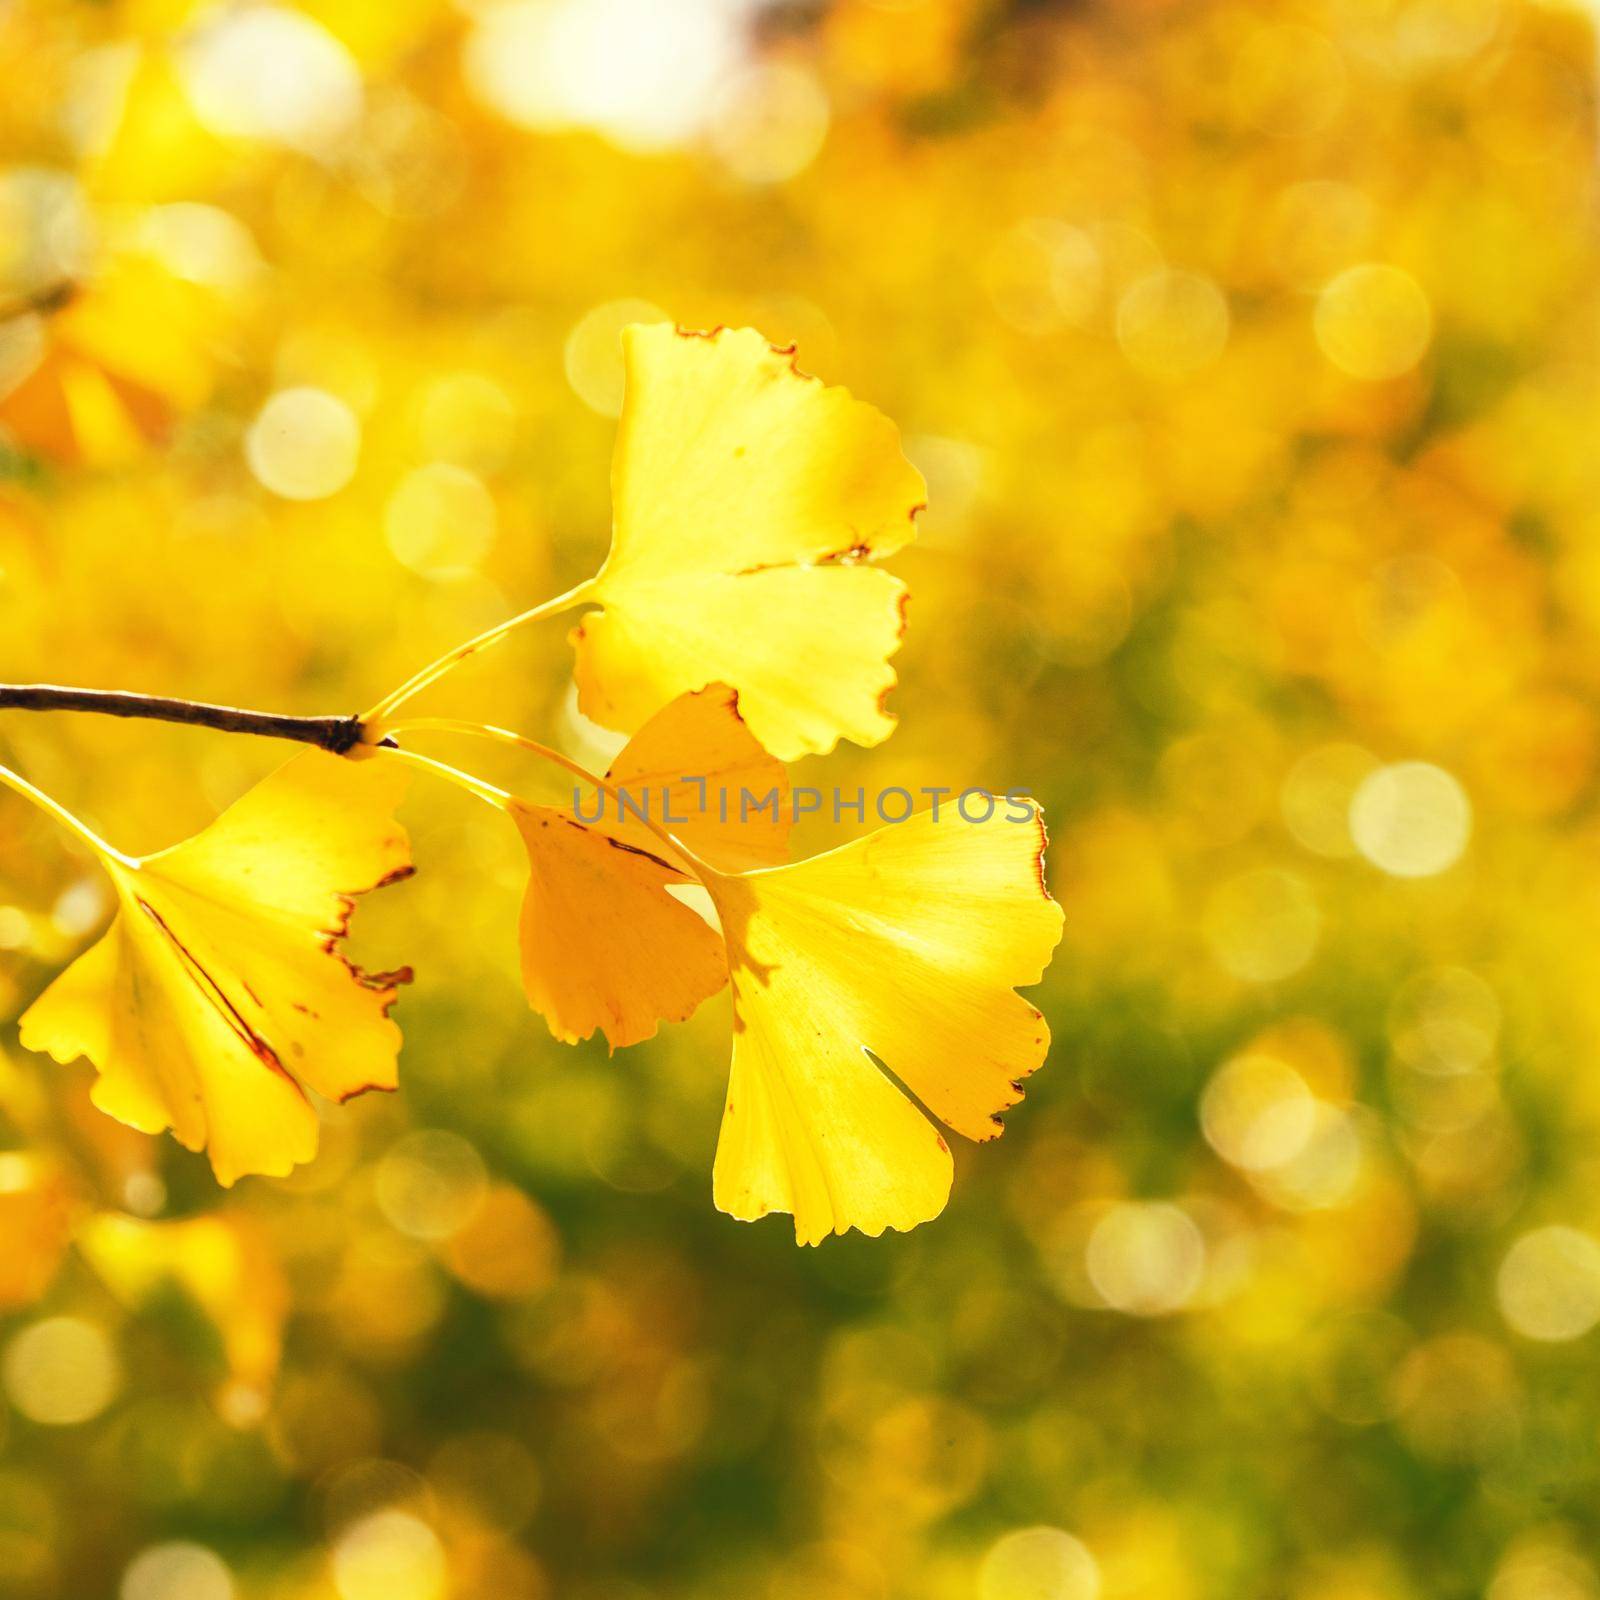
[[1411, 819], [639, 72], [1445, 1020], [1039, 1563], [430, 1183], [304, 444], [1374, 322], [1544, 1565], [468, 419], [593, 352], [1316, 795], [1325, 1168], [1549, 1284], [1257, 1112], [271, 73], [1172, 324], [769, 123], [1262, 926], [440, 521], [61, 1371], [177, 1571], [390, 1555], [1146, 1258]]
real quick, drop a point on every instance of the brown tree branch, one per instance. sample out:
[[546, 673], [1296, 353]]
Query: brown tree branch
[[336, 734]]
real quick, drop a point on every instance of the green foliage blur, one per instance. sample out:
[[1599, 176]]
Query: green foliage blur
[[1249, 351]]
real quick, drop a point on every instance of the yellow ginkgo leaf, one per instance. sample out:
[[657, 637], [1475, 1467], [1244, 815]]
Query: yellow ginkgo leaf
[[101, 368], [35, 1226], [223, 1263], [748, 501], [150, 329], [157, 148], [219, 996], [22, 1098], [879, 972], [72, 410], [696, 769], [605, 943]]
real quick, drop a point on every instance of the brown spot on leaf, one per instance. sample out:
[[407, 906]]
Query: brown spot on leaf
[[1038, 858], [849, 556], [366, 1088]]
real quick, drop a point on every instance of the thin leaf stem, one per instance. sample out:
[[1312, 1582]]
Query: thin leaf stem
[[498, 798], [481, 730], [430, 674], [54, 808]]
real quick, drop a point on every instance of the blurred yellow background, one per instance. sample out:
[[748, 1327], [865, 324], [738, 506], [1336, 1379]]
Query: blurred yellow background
[[1250, 353]]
